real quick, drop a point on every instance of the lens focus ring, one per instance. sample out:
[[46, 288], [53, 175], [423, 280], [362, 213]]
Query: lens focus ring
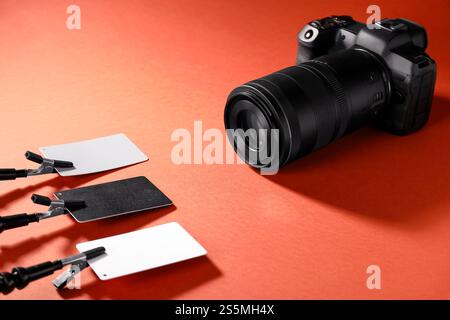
[[342, 108]]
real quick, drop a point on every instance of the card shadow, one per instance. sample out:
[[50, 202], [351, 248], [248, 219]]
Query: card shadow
[[82, 232], [373, 174], [163, 283], [56, 183]]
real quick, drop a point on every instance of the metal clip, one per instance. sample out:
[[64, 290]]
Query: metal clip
[[67, 276], [20, 277], [77, 264], [56, 207], [46, 165]]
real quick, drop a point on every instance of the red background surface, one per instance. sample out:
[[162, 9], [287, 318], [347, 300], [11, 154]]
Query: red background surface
[[146, 68]]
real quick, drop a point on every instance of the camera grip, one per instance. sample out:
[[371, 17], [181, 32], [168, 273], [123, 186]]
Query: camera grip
[[412, 98]]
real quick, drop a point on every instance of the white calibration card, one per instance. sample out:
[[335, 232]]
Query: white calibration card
[[95, 155], [142, 250]]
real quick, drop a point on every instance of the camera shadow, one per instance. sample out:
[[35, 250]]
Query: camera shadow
[[396, 180]]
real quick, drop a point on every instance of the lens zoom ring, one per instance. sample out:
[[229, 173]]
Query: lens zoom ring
[[343, 110]]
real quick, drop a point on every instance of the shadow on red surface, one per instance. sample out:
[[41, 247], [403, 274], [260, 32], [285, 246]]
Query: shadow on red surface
[[371, 173], [166, 282], [77, 232], [56, 183], [162, 283]]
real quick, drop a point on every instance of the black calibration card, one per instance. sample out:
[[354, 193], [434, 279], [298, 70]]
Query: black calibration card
[[115, 198]]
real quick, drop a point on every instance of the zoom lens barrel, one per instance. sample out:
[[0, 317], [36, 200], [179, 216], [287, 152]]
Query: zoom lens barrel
[[311, 104]]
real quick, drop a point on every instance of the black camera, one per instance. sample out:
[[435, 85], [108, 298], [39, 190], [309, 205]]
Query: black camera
[[347, 74]]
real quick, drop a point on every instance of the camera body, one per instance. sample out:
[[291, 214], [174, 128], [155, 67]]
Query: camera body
[[347, 74], [400, 45]]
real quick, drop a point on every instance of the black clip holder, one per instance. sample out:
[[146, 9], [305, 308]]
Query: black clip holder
[[46, 166], [56, 208], [20, 277]]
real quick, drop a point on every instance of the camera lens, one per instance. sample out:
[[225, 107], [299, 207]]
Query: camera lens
[[308, 105], [248, 120], [252, 126]]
